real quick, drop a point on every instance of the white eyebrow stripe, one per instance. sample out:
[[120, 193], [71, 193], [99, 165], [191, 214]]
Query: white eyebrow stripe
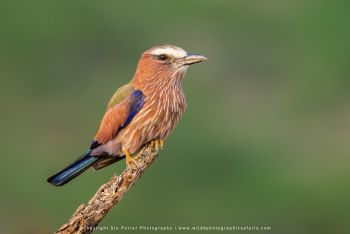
[[174, 52]]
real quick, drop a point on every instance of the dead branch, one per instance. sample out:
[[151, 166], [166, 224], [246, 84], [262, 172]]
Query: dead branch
[[87, 217]]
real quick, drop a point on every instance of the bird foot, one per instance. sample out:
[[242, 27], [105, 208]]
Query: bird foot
[[130, 159], [157, 144]]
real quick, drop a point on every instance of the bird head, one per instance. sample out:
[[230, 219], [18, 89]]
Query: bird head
[[165, 63]]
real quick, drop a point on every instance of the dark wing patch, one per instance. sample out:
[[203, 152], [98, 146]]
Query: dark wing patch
[[136, 100], [95, 144]]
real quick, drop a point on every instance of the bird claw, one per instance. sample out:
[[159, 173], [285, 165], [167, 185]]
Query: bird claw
[[131, 160], [157, 144]]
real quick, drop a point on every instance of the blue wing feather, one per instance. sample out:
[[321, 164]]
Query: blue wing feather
[[137, 101]]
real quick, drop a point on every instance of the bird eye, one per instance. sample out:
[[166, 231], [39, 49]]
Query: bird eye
[[162, 57]]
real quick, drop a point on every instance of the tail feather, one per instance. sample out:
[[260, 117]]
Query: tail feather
[[73, 170]]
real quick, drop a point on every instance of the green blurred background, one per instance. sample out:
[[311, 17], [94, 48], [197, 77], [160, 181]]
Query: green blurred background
[[264, 140]]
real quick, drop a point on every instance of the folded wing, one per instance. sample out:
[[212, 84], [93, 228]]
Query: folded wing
[[124, 105]]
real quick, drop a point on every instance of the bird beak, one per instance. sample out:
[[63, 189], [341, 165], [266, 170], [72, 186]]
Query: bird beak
[[192, 58]]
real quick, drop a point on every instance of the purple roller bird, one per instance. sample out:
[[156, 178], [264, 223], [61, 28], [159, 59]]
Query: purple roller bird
[[145, 110]]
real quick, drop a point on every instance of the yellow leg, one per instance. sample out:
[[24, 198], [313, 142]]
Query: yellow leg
[[129, 159], [152, 144], [157, 144]]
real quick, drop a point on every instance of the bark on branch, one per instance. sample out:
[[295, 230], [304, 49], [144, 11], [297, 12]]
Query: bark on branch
[[87, 217]]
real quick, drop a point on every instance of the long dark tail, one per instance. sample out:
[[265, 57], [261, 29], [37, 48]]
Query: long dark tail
[[73, 170]]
